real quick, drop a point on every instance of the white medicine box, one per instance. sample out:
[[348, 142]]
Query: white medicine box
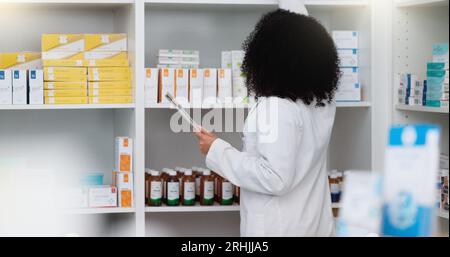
[[348, 93], [36, 86], [182, 85], [102, 196], [196, 87], [19, 86], [151, 85], [345, 39], [348, 57], [224, 86], [209, 86], [167, 84], [349, 75], [5, 87]]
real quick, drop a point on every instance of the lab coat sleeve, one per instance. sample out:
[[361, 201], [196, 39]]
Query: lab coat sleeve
[[271, 171]]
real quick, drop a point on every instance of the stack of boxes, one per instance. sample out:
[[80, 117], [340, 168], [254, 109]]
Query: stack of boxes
[[443, 184], [347, 46], [437, 78], [86, 68], [18, 76], [123, 174], [410, 90], [184, 59], [233, 60]]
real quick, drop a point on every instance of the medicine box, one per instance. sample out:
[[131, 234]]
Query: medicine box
[[440, 53], [66, 93], [167, 84], [5, 87], [102, 197], [36, 86], [111, 99], [348, 57], [412, 160], [126, 84], [224, 86], [240, 92], [66, 100], [345, 39], [62, 42], [65, 74], [86, 63], [19, 86], [98, 56], [110, 92], [179, 60], [124, 183], [109, 74], [182, 85], [105, 42], [348, 93], [20, 60], [62, 56], [196, 87], [209, 86], [64, 63], [178, 53], [349, 75], [226, 60], [151, 85], [65, 85], [237, 57], [124, 154]]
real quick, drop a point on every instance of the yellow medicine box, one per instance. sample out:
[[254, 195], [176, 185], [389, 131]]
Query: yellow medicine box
[[105, 55], [110, 99], [66, 100], [62, 42], [108, 63], [65, 93], [110, 85], [62, 56], [65, 63], [65, 85], [105, 42], [64, 74], [109, 92], [109, 74], [20, 60]]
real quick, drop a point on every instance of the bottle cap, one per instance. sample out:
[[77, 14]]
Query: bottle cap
[[206, 172], [172, 173], [334, 176], [188, 172], [166, 170], [154, 173], [178, 168]]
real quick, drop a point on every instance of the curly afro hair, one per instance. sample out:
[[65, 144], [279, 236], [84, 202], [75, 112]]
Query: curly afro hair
[[292, 56]]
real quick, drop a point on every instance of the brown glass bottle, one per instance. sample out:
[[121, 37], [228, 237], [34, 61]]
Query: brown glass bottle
[[155, 188], [165, 176], [173, 189], [147, 186], [225, 192], [237, 194], [188, 188], [206, 188], [196, 172]]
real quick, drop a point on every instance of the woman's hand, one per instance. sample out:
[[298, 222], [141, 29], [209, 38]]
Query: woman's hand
[[205, 140]]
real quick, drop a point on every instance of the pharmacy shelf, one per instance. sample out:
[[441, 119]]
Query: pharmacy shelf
[[246, 106], [98, 211], [67, 106], [197, 208], [261, 2], [443, 214], [77, 2], [336, 205], [421, 3], [422, 109]]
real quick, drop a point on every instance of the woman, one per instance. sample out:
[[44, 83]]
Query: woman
[[291, 66]]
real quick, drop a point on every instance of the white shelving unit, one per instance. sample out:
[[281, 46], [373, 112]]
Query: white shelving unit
[[99, 211], [80, 138], [417, 24]]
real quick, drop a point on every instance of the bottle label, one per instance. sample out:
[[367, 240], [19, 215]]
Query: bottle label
[[208, 192], [173, 193], [227, 193], [189, 193], [155, 192], [197, 185], [334, 188]]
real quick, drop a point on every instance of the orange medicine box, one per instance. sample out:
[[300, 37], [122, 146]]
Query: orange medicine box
[[124, 183], [124, 154]]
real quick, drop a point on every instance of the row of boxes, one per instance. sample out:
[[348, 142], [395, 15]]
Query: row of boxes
[[84, 42], [182, 59], [196, 86], [349, 89], [20, 87], [20, 61]]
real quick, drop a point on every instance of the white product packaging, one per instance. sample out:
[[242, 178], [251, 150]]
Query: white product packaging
[[348, 93], [349, 75], [360, 215], [209, 86], [123, 181], [224, 86], [5, 87], [196, 87], [182, 85], [36, 86], [240, 93], [102, 197], [167, 84], [124, 154], [226, 60], [151, 85], [411, 169], [19, 85], [345, 39], [237, 57], [348, 57]]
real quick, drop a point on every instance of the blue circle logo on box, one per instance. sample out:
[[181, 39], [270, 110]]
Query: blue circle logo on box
[[403, 210]]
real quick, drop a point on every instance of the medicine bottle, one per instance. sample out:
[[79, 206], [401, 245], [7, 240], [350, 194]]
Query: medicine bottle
[[147, 185], [217, 181], [155, 188], [334, 188], [173, 189], [197, 173], [188, 188], [164, 177], [206, 188], [237, 194], [225, 192]]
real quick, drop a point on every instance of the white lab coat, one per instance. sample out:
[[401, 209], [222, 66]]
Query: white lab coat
[[284, 185]]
